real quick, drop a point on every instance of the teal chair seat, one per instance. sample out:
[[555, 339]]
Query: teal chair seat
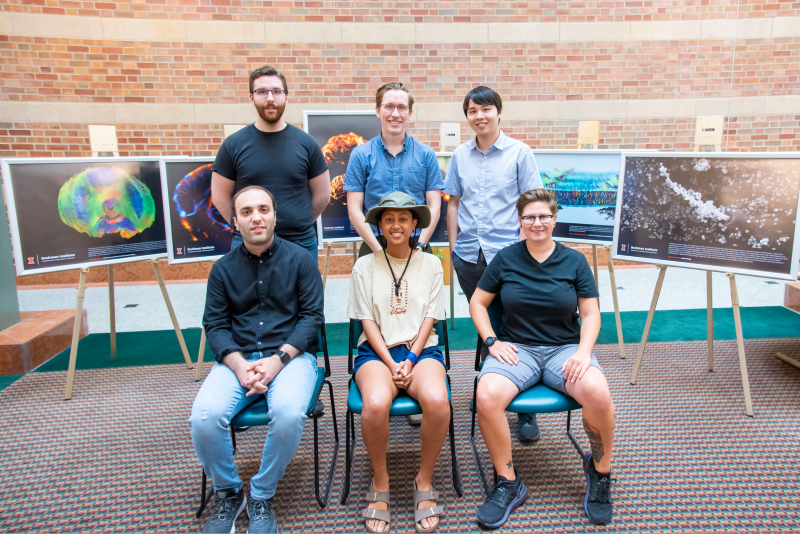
[[403, 404], [542, 399], [257, 414]]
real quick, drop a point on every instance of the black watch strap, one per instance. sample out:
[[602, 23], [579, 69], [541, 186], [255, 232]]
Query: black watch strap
[[284, 356], [490, 341]]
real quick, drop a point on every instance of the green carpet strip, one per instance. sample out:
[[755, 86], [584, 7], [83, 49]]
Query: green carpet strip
[[161, 347]]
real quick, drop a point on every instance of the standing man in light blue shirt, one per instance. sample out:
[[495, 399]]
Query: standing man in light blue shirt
[[392, 161], [485, 179]]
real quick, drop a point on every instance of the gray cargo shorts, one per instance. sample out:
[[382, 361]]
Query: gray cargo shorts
[[536, 364]]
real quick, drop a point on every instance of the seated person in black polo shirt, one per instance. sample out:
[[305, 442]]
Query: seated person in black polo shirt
[[263, 312], [541, 284]]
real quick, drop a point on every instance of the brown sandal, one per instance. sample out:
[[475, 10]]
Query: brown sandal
[[374, 513], [424, 513]]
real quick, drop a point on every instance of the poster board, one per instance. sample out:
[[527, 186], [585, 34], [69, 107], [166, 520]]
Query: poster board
[[195, 229], [439, 235], [72, 213], [585, 185], [733, 213], [338, 133]]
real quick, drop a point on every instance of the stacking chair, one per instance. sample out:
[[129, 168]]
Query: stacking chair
[[538, 399], [256, 414], [403, 405]]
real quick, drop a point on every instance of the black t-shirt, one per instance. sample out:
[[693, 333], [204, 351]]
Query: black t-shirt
[[281, 162], [540, 300]]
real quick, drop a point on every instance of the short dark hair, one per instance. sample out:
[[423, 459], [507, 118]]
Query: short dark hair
[[266, 70], [483, 96], [392, 86], [250, 188], [536, 195]]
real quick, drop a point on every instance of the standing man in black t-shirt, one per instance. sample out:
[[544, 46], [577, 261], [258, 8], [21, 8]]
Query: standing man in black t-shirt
[[277, 156]]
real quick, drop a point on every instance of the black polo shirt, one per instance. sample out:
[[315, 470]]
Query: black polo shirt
[[258, 303], [540, 300]]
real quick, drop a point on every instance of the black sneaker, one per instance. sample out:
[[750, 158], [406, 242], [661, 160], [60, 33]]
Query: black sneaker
[[228, 504], [527, 429], [597, 504], [262, 516], [506, 495]]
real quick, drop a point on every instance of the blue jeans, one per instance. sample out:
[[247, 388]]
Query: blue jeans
[[221, 397], [309, 244]]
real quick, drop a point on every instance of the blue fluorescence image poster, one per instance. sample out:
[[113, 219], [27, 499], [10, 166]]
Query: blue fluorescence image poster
[[584, 183]]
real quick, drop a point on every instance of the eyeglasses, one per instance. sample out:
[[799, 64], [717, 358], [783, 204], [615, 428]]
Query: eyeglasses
[[530, 219], [262, 93], [389, 108]]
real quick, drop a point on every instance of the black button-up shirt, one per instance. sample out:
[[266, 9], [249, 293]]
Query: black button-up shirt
[[258, 303]]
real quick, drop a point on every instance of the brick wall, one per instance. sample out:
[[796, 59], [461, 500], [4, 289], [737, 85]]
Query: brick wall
[[169, 73]]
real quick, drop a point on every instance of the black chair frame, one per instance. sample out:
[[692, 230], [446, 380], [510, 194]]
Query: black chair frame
[[350, 432], [474, 410], [322, 500]]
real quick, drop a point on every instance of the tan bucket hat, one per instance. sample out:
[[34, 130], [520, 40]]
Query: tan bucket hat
[[403, 201]]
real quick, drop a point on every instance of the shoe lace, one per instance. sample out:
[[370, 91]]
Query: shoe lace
[[526, 418], [261, 508], [223, 508], [603, 493], [498, 492]]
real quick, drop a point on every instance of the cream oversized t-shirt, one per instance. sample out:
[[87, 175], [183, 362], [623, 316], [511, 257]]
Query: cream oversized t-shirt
[[398, 317]]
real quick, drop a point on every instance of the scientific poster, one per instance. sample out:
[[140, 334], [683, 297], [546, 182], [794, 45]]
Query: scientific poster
[[723, 212], [69, 213], [439, 236], [585, 185], [338, 133], [196, 231]]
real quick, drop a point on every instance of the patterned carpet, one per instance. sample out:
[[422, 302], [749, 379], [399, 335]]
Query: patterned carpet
[[118, 457]]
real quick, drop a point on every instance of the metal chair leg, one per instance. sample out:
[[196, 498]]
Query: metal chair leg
[[453, 459], [474, 444], [205, 496], [349, 450], [323, 501], [572, 438]]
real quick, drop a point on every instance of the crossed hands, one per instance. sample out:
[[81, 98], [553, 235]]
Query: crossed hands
[[257, 375], [403, 374]]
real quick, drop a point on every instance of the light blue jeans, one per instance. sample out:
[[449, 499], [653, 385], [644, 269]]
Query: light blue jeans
[[221, 397]]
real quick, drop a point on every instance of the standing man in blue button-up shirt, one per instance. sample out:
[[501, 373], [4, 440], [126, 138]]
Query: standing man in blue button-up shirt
[[392, 161], [485, 179]]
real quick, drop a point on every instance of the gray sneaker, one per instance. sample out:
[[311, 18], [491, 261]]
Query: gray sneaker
[[415, 420], [262, 516], [228, 504], [528, 431]]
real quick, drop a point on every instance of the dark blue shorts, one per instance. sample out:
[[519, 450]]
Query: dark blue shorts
[[398, 354]]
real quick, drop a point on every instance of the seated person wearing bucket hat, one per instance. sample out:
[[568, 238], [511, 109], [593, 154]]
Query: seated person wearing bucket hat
[[397, 294], [545, 288]]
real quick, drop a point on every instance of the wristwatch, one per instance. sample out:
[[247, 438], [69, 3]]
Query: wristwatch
[[421, 245], [490, 341], [285, 358]]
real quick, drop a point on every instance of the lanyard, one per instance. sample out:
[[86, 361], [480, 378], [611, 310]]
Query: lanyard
[[397, 281]]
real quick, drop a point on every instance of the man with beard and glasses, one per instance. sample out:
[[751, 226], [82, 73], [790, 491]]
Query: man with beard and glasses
[[263, 312], [277, 156]]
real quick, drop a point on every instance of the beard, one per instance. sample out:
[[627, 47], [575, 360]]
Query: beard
[[278, 115]]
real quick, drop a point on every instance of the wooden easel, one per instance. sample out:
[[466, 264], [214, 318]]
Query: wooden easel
[[709, 132], [589, 134], [73, 352], [737, 319]]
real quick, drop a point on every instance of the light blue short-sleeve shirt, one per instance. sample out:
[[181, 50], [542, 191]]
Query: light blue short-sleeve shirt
[[374, 171], [489, 185]]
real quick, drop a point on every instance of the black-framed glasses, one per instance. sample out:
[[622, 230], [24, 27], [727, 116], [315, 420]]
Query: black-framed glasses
[[530, 219], [262, 93]]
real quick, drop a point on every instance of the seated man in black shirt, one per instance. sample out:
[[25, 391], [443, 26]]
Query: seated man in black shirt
[[263, 312], [541, 284]]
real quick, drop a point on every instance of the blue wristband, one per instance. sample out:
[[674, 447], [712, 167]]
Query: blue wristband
[[413, 357]]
